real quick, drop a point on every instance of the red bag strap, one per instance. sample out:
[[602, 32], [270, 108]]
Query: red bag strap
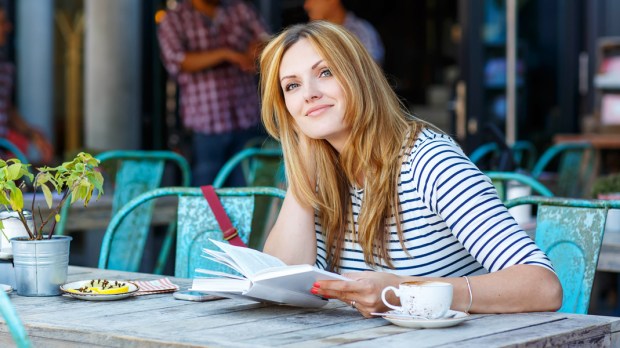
[[228, 230]]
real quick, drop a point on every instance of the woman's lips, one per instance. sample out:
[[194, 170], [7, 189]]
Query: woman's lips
[[317, 110]]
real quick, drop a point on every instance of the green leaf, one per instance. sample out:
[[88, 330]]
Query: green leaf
[[4, 199], [57, 217], [14, 171], [74, 196], [48, 195], [17, 199]]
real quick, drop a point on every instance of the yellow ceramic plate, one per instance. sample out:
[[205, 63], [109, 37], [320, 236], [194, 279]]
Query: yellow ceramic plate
[[99, 289]]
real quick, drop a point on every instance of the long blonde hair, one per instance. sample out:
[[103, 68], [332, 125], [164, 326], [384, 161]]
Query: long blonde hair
[[379, 125]]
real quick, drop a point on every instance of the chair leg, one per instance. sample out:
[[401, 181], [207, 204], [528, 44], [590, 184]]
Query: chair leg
[[13, 322], [166, 246]]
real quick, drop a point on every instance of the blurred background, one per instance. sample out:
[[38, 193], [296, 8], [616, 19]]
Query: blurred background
[[89, 73]]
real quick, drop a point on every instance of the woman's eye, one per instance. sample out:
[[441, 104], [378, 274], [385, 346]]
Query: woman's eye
[[325, 73], [291, 86]]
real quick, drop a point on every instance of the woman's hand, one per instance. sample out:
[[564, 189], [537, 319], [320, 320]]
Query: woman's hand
[[365, 290]]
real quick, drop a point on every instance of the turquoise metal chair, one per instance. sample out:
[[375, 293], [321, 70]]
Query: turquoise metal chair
[[570, 232], [484, 151], [501, 180], [10, 147], [137, 172], [196, 222], [261, 167], [524, 154], [15, 325], [575, 169]]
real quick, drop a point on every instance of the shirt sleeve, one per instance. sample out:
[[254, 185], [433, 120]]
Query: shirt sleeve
[[452, 187], [254, 22], [169, 35]]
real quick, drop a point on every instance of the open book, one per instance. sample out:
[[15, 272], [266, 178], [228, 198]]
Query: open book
[[265, 278]]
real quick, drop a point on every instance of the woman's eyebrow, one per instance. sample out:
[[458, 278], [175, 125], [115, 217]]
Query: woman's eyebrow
[[313, 67]]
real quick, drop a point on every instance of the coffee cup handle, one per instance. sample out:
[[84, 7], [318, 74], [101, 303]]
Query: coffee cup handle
[[385, 301]]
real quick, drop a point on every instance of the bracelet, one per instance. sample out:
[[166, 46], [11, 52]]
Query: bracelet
[[471, 297]]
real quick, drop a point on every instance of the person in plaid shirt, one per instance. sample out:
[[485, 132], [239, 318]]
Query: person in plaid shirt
[[334, 11], [210, 48], [12, 126]]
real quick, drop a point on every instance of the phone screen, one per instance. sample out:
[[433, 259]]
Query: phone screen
[[189, 295]]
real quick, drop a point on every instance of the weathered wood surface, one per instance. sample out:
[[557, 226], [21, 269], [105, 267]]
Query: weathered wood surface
[[161, 321]]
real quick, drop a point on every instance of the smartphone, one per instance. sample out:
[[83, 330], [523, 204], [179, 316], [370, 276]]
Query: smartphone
[[188, 295]]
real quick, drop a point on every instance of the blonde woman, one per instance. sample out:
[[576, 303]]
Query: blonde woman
[[379, 195]]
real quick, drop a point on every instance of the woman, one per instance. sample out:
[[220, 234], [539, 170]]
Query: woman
[[420, 209]]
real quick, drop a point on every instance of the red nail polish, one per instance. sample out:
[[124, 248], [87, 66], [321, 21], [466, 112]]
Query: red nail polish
[[314, 291], [316, 285]]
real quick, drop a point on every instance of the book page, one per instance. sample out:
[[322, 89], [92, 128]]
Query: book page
[[218, 274], [248, 261], [220, 257]]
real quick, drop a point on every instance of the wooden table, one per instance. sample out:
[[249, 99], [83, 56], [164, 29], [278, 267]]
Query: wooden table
[[599, 141], [162, 321]]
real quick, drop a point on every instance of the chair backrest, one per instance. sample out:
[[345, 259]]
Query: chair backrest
[[502, 180], [570, 232], [20, 336], [524, 154], [137, 172], [5, 144], [575, 170], [261, 167], [484, 151], [196, 222]]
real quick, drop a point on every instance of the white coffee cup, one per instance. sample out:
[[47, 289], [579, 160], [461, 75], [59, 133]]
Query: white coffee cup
[[426, 299]]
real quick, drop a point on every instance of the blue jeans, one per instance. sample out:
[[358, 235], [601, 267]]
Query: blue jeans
[[211, 151]]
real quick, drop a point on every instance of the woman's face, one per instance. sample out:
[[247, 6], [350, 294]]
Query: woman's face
[[313, 96]]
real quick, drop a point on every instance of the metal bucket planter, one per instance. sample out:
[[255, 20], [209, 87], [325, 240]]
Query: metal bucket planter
[[40, 265]]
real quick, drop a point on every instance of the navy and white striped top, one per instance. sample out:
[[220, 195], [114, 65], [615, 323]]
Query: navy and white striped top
[[453, 222]]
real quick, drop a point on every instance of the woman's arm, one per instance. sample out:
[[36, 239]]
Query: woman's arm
[[292, 238], [520, 288]]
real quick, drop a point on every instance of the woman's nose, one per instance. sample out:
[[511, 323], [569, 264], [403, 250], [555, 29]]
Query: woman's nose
[[311, 92]]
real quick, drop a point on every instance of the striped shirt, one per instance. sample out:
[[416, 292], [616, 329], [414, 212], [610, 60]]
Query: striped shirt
[[452, 219], [222, 98]]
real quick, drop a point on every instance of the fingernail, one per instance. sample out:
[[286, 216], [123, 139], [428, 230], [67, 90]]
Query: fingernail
[[316, 285], [314, 291]]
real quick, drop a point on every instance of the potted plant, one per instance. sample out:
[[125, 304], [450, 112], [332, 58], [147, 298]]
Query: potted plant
[[40, 258], [608, 187]]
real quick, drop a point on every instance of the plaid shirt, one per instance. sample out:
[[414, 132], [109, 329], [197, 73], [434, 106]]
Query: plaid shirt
[[7, 70], [222, 98]]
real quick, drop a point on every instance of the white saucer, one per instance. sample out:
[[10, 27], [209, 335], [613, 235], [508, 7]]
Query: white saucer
[[451, 318]]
